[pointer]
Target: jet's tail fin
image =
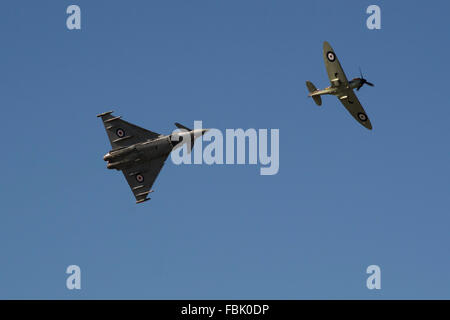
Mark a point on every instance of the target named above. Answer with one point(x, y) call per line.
point(192, 138)
point(312, 88)
point(180, 126)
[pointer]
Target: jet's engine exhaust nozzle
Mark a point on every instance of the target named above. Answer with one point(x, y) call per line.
point(107, 157)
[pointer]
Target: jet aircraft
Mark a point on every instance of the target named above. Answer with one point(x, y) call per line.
point(139, 153)
point(341, 87)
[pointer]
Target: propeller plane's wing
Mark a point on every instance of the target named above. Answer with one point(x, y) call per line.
point(352, 104)
point(334, 70)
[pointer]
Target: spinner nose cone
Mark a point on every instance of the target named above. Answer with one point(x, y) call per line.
point(204, 131)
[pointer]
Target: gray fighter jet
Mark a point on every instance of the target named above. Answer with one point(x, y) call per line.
point(139, 153)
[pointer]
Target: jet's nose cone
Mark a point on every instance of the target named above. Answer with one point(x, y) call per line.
point(204, 131)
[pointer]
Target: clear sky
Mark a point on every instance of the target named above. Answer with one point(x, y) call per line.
point(344, 198)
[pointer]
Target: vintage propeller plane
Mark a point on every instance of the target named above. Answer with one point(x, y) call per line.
point(341, 87)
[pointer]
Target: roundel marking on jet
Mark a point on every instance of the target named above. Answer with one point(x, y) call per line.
point(331, 56)
point(139, 178)
point(362, 116)
point(120, 133)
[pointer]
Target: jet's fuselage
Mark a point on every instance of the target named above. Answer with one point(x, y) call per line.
point(144, 151)
point(120, 159)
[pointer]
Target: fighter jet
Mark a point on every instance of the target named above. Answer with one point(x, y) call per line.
point(341, 87)
point(139, 153)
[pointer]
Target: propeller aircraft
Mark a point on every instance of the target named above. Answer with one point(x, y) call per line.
point(341, 87)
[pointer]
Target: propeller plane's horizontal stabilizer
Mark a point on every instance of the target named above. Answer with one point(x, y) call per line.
point(312, 88)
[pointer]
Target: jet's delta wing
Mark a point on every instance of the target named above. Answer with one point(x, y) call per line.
point(122, 133)
point(141, 177)
point(352, 104)
point(334, 70)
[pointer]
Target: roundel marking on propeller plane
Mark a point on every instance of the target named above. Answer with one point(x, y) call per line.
point(120, 133)
point(139, 178)
point(362, 117)
point(331, 56)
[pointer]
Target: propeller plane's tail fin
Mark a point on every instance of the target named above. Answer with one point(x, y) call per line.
point(312, 88)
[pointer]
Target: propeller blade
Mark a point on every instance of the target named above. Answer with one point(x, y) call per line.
point(359, 87)
point(370, 84)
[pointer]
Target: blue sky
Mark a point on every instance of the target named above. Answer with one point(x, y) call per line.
point(344, 198)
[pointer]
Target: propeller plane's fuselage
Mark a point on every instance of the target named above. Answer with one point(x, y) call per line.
point(338, 88)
